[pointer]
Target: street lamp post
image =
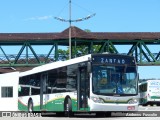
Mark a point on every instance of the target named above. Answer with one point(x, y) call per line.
point(70, 42)
point(70, 22)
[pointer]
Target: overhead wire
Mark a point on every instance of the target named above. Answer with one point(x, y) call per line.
point(83, 8)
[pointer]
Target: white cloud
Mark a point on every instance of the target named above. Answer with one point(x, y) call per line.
point(40, 18)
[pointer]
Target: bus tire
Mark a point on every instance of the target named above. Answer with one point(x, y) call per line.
point(68, 108)
point(59, 114)
point(158, 104)
point(30, 106)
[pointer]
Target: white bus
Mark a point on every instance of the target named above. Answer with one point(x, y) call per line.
point(8, 91)
point(99, 83)
point(149, 91)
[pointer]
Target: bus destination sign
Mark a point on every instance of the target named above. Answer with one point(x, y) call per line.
point(112, 59)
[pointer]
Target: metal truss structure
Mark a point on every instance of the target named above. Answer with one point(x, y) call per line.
point(145, 46)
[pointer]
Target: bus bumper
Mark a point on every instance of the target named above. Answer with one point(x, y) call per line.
point(112, 107)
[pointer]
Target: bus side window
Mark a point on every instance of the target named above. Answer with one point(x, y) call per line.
point(24, 82)
point(52, 83)
point(72, 77)
point(7, 91)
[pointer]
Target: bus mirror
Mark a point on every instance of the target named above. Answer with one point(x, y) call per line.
point(89, 67)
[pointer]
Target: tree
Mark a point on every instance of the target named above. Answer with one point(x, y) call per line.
point(80, 50)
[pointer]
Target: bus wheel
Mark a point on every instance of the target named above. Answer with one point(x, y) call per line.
point(151, 104)
point(158, 104)
point(68, 108)
point(30, 106)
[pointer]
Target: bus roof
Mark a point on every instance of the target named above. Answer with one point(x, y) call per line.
point(54, 65)
point(59, 64)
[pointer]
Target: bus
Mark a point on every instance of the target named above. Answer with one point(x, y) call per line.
point(8, 91)
point(99, 83)
point(149, 91)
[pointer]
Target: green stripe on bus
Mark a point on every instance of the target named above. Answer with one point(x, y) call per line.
point(155, 97)
point(22, 106)
point(52, 105)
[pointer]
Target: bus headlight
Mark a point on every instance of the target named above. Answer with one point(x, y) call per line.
point(132, 101)
point(97, 100)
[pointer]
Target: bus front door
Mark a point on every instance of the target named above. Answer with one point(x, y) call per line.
point(43, 91)
point(83, 88)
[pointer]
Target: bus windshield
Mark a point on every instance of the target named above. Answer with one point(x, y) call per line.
point(114, 80)
point(154, 87)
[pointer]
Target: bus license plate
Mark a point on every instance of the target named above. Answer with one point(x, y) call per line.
point(131, 108)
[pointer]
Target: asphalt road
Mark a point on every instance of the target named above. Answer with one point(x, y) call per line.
point(144, 112)
point(149, 108)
